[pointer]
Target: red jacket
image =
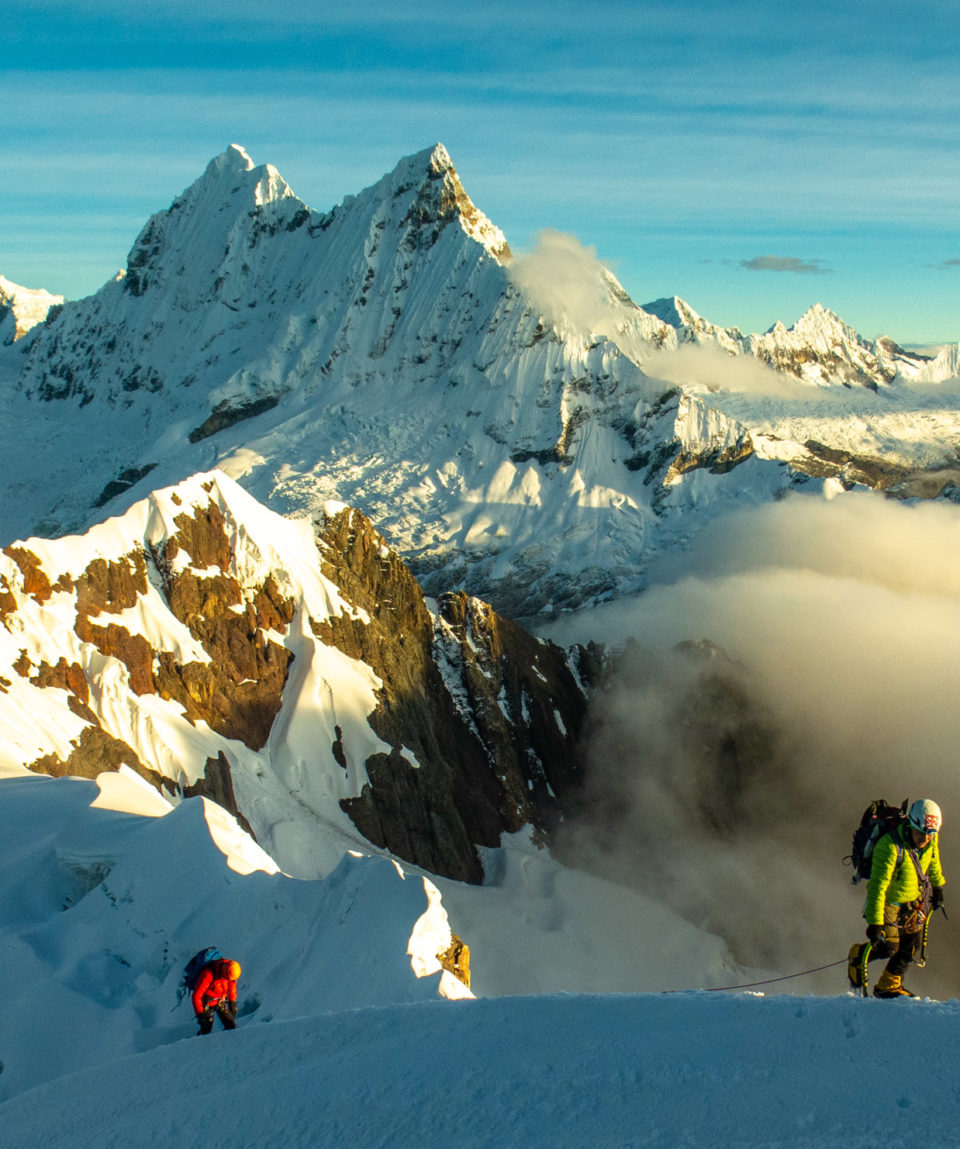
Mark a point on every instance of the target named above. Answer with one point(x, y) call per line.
point(212, 987)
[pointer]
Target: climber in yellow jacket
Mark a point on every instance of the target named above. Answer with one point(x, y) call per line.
point(906, 884)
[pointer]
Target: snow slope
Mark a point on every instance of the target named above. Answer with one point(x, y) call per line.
point(105, 892)
point(658, 1071)
point(351, 1036)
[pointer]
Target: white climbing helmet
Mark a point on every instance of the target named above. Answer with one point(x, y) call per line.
point(925, 816)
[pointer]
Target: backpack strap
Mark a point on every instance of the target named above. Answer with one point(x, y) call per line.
point(922, 880)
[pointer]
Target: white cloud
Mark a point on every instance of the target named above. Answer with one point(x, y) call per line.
point(842, 621)
point(718, 371)
point(566, 281)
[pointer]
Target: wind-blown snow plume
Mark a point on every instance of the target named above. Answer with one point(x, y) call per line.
point(730, 777)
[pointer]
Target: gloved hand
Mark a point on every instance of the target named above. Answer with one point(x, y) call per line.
point(876, 938)
point(936, 898)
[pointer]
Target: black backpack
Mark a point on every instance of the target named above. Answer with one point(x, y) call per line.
point(878, 819)
point(193, 969)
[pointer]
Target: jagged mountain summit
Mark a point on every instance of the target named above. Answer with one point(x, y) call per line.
point(22, 308)
point(295, 675)
point(818, 349)
point(535, 444)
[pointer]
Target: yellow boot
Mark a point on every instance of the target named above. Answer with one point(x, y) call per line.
point(890, 985)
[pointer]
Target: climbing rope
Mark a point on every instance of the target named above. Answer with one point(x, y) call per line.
point(922, 961)
point(770, 980)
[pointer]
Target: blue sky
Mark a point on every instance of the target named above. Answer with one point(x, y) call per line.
point(752, 156)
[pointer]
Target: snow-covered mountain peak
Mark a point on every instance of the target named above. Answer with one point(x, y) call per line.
point(820, 320)
point(821, 348)
point(199, 228)
point(690, 327)
point(8, 289)
point(434, 161)
point(22, 308)
point(673, 310)
point(234, 158)
point(428, 183)
point(233, 177)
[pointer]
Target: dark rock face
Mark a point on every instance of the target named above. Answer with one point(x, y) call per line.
point(122, 482)
point(227, 414)
point(96, 752)
point(217, 785)
point(826, 462)
point(491, 715)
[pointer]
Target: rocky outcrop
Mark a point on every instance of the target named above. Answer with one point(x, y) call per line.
point(455, 959)
point(226, 414)
point(123, 482)
point(828, 462)
point(491, 716)
point(97, 752)
point(217, 785)
point(237, 692)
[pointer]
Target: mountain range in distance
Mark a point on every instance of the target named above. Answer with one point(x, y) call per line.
point(515, 425)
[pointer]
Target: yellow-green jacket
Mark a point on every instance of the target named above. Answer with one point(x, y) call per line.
point(891, 884)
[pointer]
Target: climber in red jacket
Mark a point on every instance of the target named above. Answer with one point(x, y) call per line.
point(216, 993)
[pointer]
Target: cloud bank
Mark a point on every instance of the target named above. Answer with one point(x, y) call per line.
point(727, 778)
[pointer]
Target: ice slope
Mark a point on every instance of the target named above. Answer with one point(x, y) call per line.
point(657, 1071)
